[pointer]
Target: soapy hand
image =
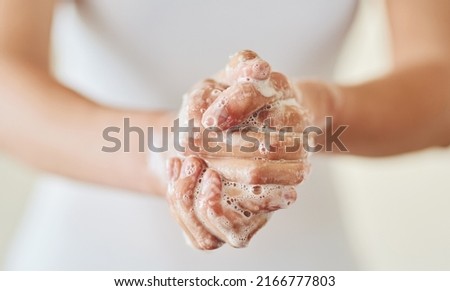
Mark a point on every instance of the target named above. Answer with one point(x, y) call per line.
point(252, 86)
point(227, 195)
point(212, 211)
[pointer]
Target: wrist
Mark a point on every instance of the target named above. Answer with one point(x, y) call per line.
point(143, 169)
point(159, 149)
point(321, 99)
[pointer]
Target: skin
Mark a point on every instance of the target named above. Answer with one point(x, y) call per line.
point(207, 220)
point(243, 98)
point(413, 100)
point(199, 203)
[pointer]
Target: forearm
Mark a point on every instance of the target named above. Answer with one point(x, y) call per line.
point(406, 110)
point(55, 129)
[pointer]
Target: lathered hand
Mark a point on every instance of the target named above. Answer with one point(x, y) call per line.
point(228, 194)
point(212, 211)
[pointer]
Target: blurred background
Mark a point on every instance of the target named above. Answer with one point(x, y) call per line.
point(396, 210)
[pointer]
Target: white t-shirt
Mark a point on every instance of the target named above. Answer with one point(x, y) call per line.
point(146, 54)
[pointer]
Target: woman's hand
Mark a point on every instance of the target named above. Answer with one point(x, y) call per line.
point(212, 211)
point(228, 196)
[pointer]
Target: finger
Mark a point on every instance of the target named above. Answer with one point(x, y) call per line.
point(199, 99)
point(211, 188)
point(194, 105)
point(248, 208)
point(286, 114)
point(252, 145)
point(223, 217)
point(241, 100)
point(266, 198)
point(280, 125)
point(248, 171)
point(246, 65)
point(182, 203)
point(173, 169)
point(281, 84)
point(234, 105)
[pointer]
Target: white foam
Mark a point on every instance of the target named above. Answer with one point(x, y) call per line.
point(266, 89)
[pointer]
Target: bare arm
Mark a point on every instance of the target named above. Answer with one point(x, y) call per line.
point(409, 108)
point(50, 126)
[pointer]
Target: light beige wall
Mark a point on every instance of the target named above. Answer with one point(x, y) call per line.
point(396, 209)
